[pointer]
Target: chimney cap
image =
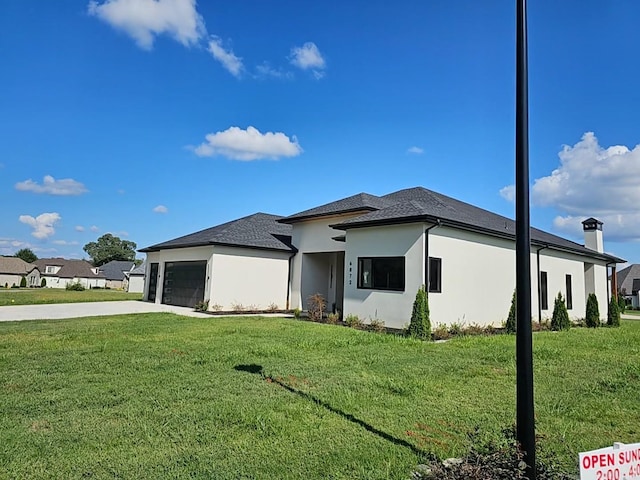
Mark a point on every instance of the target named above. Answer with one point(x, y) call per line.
point(591, 224)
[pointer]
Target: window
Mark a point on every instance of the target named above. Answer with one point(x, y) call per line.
point(569, 299)
point(544, 295)
point(50, 269)
point(435, 275)
point(381, 273)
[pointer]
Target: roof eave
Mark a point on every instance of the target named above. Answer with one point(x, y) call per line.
point(296, 219)
point(211, 244)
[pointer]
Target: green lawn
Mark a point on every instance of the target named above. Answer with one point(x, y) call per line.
point(162, 396)
point(31, 296)
point(632, 312)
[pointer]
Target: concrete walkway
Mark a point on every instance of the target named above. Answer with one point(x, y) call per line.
point(626, 316)
point(89, 309)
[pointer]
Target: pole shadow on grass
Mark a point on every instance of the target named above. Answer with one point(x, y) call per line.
point(258, 370)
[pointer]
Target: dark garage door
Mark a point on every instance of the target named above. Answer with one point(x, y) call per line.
point(184, 283)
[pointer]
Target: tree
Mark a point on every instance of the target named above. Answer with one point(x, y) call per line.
point(613, 314)
point(592, 319)
point(27, 255)
point(510, 327)
point(23, 282)
point(420, 326)
point(43, 282)
point(108, 248)
point(622, 304)
point(560, 317)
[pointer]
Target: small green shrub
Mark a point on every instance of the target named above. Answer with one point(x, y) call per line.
point(23, 282)
point(420, 326)
point(317, 304)
point(613, 314)
point(441, 332)
point(510, 326)
point(296, 313)
point(353, 321)
point(202, 306)
point(592, 319)
point(455, 329)
point(6, 285)
point(13, 285)
point(75, 287)
point(332, 318)
point(560, 317)
point(622, 304)
point(377, 326)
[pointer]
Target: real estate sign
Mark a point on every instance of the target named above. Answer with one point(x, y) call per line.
point(620, 462)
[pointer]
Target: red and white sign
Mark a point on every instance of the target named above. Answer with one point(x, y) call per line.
point(620, 462)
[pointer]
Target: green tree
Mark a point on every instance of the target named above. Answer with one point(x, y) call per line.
point(109, 247)
point(592, 319)
point(43, 282)
point(510, 326)
point(420, 326)
point(27, 255)
point(622, 305)
point(613, 314)
point(23, 282)
point(560, 317)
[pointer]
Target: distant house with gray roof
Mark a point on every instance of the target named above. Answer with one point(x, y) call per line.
point(12, 269)
point(368, 255)
point(629, 284)
point(115, 273)
point(58, 272)
point(135, 279)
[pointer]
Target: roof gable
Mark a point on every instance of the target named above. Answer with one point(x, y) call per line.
point(15, 266)
point(627, 276)
point(115, 269)
point(355, 203)
point(69, 268)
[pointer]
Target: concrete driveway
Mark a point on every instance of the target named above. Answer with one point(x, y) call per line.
point(89, 309)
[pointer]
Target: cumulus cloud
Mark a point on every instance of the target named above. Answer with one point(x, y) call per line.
point(64, 242)
point(229, 61)
point(308, 57)
point(266, 70)
point(43, 224)
point(144, 20)
point(594, 181)
point(508, 193)
point(51, 186)
point(93, 228)
point(415, 150)
point(160, 209)
point(79, 228)
point(249, 144)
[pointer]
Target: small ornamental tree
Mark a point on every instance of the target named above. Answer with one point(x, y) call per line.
point(43, 282)
point(592, 319)
point(613, 314)
point(622, 305)
point(420, 326)
point(560, 318)
point(23, 282)
point(510, 326)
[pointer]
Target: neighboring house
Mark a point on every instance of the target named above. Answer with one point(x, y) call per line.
point(368, 256)
point(135, 279)
point(12, 269)
point(629, 284)
point(58, 272)
point(115, 273)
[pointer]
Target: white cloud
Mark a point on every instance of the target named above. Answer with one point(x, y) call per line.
point(51, 186)
point(508, 193)
point(228, 60)
point(415, 150)
point(266, 70)
point(308, 57)
point(160, 209)
point(64, 242)
point(43, 224)
point(79, 228)
point(249, 144)
point(93, 228)
point(143, 20)
point(593, 181)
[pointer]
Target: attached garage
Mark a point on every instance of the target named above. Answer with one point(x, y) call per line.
point(184, 283)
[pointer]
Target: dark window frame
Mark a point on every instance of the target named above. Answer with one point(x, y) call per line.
point(569, 293)
point(434, 268)
point(375, 275)
point(544, 291)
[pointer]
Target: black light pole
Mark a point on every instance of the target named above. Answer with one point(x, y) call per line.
point(525, 426)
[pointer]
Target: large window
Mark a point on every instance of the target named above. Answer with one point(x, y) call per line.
point(569, 293)
point(381, 273)
point(544, 294)
point(435, 275)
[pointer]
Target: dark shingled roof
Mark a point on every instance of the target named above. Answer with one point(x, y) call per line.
point(70, 268)
point(355, 203)
point(15, 266)
point(260, 230)
point(115, 269)
point(420, 204)
point(629, 279)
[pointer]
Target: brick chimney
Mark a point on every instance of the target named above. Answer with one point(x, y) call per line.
point(593, 234)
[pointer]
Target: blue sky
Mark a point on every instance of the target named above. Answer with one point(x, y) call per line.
point(153, 119)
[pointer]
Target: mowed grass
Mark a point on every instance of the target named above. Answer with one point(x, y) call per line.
point(163, 396)
point(32, 296)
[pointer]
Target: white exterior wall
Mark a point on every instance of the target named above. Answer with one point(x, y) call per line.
point(249, 277)
point(394, 308)
point(10, 279)
point(56, 282)
point(136, 284)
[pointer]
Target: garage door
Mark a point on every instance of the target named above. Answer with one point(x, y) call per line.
point(184, 283)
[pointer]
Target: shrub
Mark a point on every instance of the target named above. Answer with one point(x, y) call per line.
point(560, 318)
point(333, 318)
point(216, 307)
point(420, 326)
point(441, 332)
point(6, 285)
point(622, 304)
point(317, 304)
point(296, 313)
point(237, 307)
point(272, 307)
point(592, 319)
point(377, 326)
point(613, 314)
point(353, 321)
point(13, 285)
point(202, 306)
point(23, 282)
point(76, 287)
point(510, 326)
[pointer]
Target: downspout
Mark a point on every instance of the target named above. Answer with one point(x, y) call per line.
point(426, 253)
point(606, 273)
point(538, 281)
point(289, 275)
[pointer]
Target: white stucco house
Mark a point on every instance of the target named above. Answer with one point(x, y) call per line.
point(59, 272)
point(13, 269)
point(368, 255)
point(135, 279)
